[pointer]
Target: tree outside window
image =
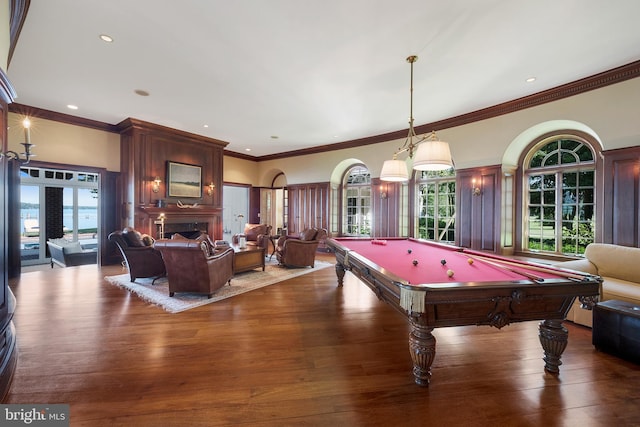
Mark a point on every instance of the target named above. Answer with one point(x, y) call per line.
point(560, 200)
point(436, 204)
point(357, 202)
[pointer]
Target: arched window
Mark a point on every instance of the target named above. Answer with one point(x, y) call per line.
point(436, 205)
point(559, 196)
point(357, 202)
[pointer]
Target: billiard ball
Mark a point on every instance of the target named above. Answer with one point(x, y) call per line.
point(415, 262)
point(408, 251)
point(470, 261)
point(443, 261)
point(450, 273)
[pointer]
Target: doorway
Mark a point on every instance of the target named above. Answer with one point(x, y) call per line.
point(54, 204)
point(235, 211)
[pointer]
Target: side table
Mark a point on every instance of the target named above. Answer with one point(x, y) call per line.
point(616, 329)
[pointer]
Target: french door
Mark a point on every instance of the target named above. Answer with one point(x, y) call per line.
point(57, 204)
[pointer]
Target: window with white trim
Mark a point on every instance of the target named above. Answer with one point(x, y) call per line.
point(436, 205)
point(357, 202)
point(559, 215)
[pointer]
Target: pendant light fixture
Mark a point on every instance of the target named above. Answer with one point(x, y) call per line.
point(430, 153)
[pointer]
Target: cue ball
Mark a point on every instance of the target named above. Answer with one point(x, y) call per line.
point(470, 261)
point(443, 261)
point(408, 251)
point(450, 273)
point(415, 262)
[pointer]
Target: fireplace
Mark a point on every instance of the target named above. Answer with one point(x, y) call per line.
point(190, 230)
point(189, 222)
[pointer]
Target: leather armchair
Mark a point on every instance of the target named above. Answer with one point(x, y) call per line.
point(256, 234)
point(138, 254)
point(194, 266)
point(300, 250)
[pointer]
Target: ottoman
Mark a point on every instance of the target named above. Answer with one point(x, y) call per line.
point(616, 329)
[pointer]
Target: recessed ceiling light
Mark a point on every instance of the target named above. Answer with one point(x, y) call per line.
point(247, 149)
point(141, 92)
point(72, 107)
point(531, 80)
point(106, 38)
point(274, 136)
point(206, 126)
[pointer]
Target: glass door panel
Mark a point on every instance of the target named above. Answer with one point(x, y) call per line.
point(31, 236)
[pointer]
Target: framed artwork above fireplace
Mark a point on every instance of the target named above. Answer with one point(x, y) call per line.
point(184, 180)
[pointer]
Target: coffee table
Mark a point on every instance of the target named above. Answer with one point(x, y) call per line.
point(247, 258)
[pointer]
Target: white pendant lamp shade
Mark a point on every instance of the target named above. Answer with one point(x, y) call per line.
point(432, 155)
point(394, 170)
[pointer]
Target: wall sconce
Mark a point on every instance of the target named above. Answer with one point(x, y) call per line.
point(12, 155)
point(475, 190)
point(383, 191)
point(155, 187)
point(210, 189)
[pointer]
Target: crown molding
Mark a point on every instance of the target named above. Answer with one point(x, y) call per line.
point(606, 78)
point(41, 113)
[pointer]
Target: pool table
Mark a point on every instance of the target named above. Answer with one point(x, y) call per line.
point(435, 285)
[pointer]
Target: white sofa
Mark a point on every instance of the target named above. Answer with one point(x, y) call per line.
point(619, 267)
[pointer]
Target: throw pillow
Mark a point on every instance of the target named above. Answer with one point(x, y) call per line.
point(60, 241)
point(133, 237)
point(253, 231)
point(72, 248)
point(205, 244)
point(308, 234)
point(147, 240)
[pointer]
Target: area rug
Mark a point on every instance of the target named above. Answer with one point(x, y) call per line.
point(158, 294)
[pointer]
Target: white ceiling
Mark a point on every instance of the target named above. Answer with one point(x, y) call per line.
point(309, 72)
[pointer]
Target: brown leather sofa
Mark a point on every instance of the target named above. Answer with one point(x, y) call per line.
point(300, 250)
point(193, 265)
point(255, 234)
point(138, 254)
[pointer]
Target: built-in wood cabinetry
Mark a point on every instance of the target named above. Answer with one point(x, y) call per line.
point(145, 150)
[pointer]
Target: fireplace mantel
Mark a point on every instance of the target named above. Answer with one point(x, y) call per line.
point(208, 216)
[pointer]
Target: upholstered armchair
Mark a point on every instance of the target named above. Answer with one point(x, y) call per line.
point(193, 265)
point(138, 254)
point(255, 234)
point(300, 250)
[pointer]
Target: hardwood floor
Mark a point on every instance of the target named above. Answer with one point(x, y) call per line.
point(301, 352)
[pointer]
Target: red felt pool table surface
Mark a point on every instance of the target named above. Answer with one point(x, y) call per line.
point(397, 256)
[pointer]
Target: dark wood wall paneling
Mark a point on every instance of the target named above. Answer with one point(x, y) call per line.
point(308, 206)
point(254, 206)
point(478, 216)
point(621, 216)
point(8, 173)
point(145, 150)
point(385, 203)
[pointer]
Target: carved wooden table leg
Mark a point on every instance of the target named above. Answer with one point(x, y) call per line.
point(553, 337)
point(422, 346)
point(340, 273)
